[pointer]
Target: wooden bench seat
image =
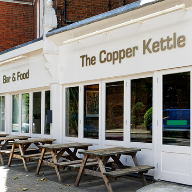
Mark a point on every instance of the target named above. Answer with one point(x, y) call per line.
point(8, 151)
point(7, 147)
point(89, 164)
point(35, 155)
point(49, 156)
point(69, 163)
point(122, 172)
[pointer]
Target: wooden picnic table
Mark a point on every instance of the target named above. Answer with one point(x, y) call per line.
point(102, 156)
point(24, 146)
point(5, 141)
point(3, 135)
point(57, 151)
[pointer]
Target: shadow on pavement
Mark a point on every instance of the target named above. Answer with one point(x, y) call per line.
point(15, 179)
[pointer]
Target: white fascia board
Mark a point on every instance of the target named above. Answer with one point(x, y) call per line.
point(22, 51)
point(20, 2)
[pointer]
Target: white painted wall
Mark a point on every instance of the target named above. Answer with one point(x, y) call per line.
point(179, 22)
point(38, 76)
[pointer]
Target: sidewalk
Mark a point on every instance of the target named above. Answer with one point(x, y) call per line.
point(12, 180)
point(15, 179)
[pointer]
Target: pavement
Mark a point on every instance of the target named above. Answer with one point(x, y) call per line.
point(15, 179)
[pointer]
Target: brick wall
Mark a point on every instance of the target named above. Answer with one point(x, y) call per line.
point(77, 10)
point(16, 24)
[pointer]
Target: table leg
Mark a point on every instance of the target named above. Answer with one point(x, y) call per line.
point(56, 167)
point(1, 158)
point(26, 147)
point(24, 161)
point(11, 155)
point(81, 170)
point(102, 168)
point(5, 145)
point(140, 174)
point(40, 161)
point(117, 161)
point(72, 154)
point(60, 154)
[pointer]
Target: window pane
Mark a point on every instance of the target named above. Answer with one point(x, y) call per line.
point(15, 113)
point(72, 111)
point(91, 111)
point(47, 107)
point(114, 110)
point(141, 110)
point(2, 113)
point(37, 112)
point(25, 113)
point(176, 109)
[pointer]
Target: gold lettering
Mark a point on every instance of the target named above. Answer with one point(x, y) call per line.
point(115, 56)
point(93, 60)
point(128, 52)
point(134, 49)
point(121, 56)
point(82, 57)
point(168, 41)
point(181, 41)
point(146, 46)
point(100, 56)
point(163, 48)
point(155, 47)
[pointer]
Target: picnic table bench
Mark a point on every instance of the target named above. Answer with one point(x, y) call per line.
point(3, 135)
point(5, 143)
point(57, 151)
point(23, 146)
point(102, 156)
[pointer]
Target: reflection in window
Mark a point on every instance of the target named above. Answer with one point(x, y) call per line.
point(114, 110)
point(25, 113)
point(2, 113)
point(37, 113)
point(176, 109)
point(91, 111)
point(47, 107)
point(141, 110)
point(72, 111)
point(15, 113)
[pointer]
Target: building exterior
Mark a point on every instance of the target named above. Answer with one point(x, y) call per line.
point(21, 20)
point(120, 78)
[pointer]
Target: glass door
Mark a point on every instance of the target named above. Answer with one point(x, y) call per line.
point(174, 145)
point(2, 113)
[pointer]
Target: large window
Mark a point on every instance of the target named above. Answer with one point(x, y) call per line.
point(2, 113)
point(141, 110)
point(176, 109)
point(114, 110)
point(91, 111)
point(29, 112)
point(36, 113)
point(47, 107)
point(72, 111)
point(25, 113)
point(15, 113)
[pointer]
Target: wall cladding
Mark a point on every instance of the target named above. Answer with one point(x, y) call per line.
point(16, 24)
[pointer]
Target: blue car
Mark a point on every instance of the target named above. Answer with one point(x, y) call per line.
point(177, 120)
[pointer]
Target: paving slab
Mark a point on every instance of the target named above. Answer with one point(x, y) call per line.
point(165, 187)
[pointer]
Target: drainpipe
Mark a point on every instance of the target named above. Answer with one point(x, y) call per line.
point(65, 20)
point(109, 5)
point(59, 8)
